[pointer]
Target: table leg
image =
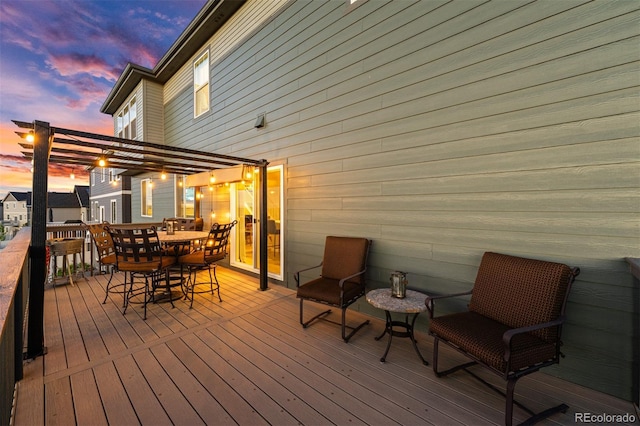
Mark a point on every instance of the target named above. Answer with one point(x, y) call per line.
point(407, 332)
point(388, 328)
point(413, 339)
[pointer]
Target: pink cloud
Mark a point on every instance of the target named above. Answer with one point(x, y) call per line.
point(69, 64)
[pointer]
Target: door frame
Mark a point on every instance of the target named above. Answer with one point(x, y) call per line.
point(238, 232)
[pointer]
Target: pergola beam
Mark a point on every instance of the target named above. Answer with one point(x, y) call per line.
point(150, 158)
point(135, 150)
point(238, 160)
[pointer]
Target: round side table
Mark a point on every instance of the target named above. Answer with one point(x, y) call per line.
point(413, 303)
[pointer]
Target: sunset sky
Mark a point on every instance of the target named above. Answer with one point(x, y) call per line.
point(59, 60)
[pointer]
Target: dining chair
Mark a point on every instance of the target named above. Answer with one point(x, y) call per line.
point(212, 251)
point(105, 250)
point(138, 252)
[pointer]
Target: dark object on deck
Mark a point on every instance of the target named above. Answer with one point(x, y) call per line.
point(342, 280)
point(514, 322)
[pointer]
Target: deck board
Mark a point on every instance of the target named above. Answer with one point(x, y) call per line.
point(247, 360)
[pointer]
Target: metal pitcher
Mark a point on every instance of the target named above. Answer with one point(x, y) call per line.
point(398, 284)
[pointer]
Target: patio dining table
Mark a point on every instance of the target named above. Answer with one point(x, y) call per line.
point(181, 236)
point(179, 239)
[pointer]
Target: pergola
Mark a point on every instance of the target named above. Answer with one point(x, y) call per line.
point(47, 144)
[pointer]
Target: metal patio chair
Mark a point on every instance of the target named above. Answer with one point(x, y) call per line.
point(341, 281)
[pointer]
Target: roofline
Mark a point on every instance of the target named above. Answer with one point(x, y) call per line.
point(210, 19)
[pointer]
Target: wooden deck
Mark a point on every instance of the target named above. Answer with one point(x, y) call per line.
point(248, 361)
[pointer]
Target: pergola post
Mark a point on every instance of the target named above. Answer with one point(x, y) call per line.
point(264, 259)
point(37, 252)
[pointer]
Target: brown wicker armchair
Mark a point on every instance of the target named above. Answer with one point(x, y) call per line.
point(342, 280)
point(513, 324)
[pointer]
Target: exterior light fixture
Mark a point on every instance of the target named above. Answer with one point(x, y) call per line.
point(212, 178)
point(247, 172)
point(163, 176)
point(260, 121)
point(72, 175)
point(102, 161)
point(30, 137)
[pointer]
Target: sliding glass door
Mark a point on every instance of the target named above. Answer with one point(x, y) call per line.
point(246, 236)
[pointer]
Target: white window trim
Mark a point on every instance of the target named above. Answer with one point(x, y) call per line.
point(207, 84)
point(123, 120)
point(148, 183)
point(114, 211)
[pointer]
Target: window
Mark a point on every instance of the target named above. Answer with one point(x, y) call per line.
point(146, 190)
point(114, 212)
point(185, 198)
point(201, 85)
point(126, 121)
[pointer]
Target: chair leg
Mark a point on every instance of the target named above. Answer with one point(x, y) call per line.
point(146, 294)
point(192, 283)
point(127, 293)
point(436, 341)
point(217, 283)
point(508, 409)
point(509, 394)
point(306, 324)
point(106, 293)
point(354, 330)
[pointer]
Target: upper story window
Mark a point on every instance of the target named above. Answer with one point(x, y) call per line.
point(201, 85)
point(126, 121)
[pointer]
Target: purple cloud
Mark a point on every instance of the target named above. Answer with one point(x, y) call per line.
point(60, 59)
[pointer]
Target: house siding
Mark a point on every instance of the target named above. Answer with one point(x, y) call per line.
point(152, 123)
point(163, 199)
point(442, 130)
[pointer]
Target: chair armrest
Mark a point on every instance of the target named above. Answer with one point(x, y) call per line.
point(342, 281)
point(429, 301)
point(296, 275)
point(510, 334)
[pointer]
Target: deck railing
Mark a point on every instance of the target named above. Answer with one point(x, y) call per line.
point(14, 290)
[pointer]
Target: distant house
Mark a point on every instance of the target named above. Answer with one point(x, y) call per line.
point(440, 130)
point(83, 194)
point(110, 196)
point(63, 206)
point(16, 209)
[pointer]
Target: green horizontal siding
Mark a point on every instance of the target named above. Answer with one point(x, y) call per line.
point(442, 130)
